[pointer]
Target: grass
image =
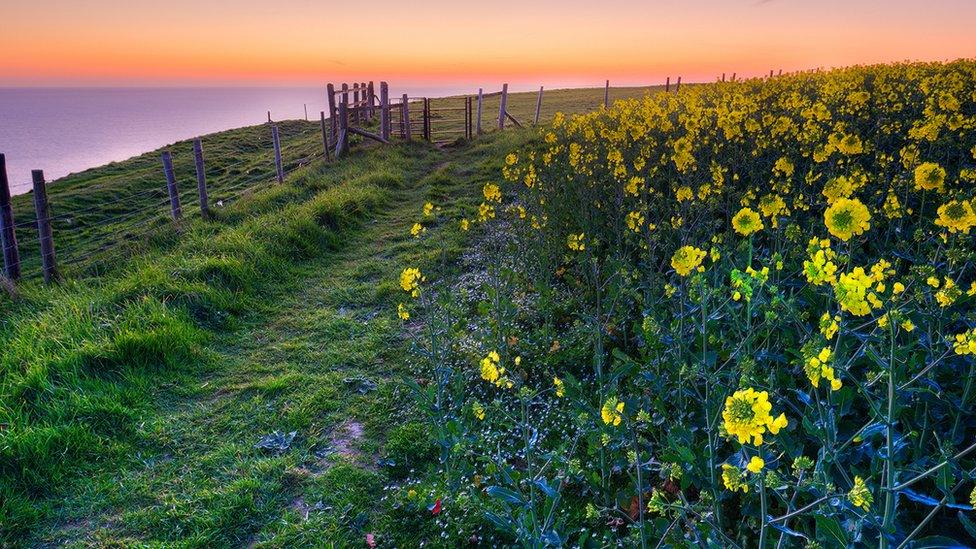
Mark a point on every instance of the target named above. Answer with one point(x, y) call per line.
point(133, 393)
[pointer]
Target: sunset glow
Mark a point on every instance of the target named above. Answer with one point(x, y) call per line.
point(102, 42)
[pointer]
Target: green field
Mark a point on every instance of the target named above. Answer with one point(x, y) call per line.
point(133, 394)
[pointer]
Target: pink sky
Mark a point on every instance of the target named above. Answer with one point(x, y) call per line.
point(557, 42)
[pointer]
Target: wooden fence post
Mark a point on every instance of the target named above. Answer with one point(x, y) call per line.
point(269, 117)
point(342, 143)
point(405, 111)
point(277, 152)
point(174, 194)
point(480, 100)
point(427, 118)
point(355, 103)
point(385, 125)
point(677, 87)
point(201, 178)
point(330, 93)
point(8, 232)
point(502, 107)
point(369, 100)
point(305, 106)
point(667, 85)
point(468, 130)
point(733, 77)
point(49, 264)
point(723, 77)
point(345, 99)
point(606, 95)
point(538, 107)
point(325, 138)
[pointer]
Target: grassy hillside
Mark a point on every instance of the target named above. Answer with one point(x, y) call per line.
point(134, 395)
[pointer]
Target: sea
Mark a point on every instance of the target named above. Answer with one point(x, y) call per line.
point(67, 130)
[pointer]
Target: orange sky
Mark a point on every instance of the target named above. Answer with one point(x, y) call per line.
point(289, 42)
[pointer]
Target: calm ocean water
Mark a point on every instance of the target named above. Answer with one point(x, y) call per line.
point(66, 130)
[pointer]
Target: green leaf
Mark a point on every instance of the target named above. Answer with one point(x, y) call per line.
point(505, 494)
point(830, 530)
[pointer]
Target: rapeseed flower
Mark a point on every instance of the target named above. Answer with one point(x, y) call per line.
point(732, 478)
point(860, 495)
point(846, 218)
point(929, 176)
point(746, 222)
point(410, 280)
point(855, 293)
point(965, 343)
point(612, 411)
point(402, 312)
point(756, 464)
point(687, 259)
point(956, 216)
point(575, 242)
point(747, 416)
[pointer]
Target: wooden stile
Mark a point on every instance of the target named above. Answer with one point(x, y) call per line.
point(201, 178)
point(371, 93)
point(279, 171)
point(385, 126)
point(174, 195)
point(355, 103)
point(8, 230)
point(405, 114)
point(481, 97)
point(502, 107)
point(538, 107)
point(49, 265)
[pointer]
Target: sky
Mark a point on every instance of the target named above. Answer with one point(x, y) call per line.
point(417, 42)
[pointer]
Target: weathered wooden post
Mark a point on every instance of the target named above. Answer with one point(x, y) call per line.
point(467, 117)
point(330, 93)
point(277, 151)
point(780, 72)
point(355, 103)
point(733, 77)
point(269, 117)
point(201, 178)
point(305, 105)
point(723, 77)
point(385, 126)
point(538, 106)
point(345, 97)
point(174, 193)
point(502, 107)
point(405, 111)
point(427, 119)
point(342, 142)
point(370, 90)
point(677, 86)
point(606, 95)
point(667, 85)
point(481, 98)
point(49, 264)
point(325, 138)
point(8, 231)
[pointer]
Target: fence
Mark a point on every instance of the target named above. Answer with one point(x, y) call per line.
point(118, 220)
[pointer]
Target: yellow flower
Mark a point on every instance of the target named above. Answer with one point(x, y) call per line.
point(478, 410)
point(907, 325)
point(612, 411)
point(746, 222)
point(428, 209)
point(829, 325)
point(756, 464)
point(492, 372)
point(956, 216)
point(575, 242)
point(417, 230)
point(492, 192)
point(410, 280)
point(485, 212)
point(732, 478)
point(560, 387)
point(929, 176)
point(687, 259)
point(465, 224)
point(402, 312)
point(684, 193)
point(948, 294)
point(855, 293)
point(966, 343)
point(846, 218)
point(860, 495)
point(746, 416)
point(972, 495)
point(635, 220)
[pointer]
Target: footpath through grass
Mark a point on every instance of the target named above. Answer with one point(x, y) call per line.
point(135, 405)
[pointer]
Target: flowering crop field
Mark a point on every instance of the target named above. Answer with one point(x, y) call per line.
point(737, 316)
